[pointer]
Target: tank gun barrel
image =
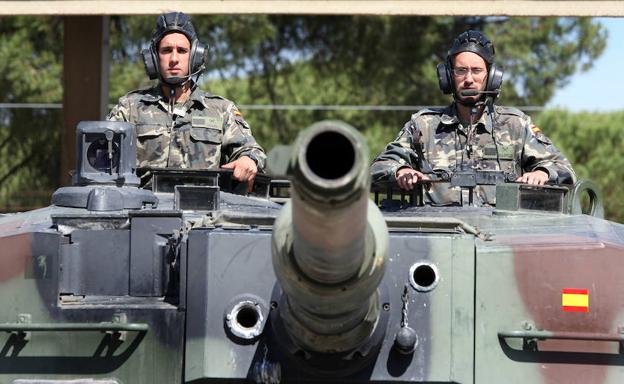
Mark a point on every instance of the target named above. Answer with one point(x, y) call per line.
point(330, 242)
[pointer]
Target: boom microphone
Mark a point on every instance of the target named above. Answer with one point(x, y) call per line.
point(474, 92)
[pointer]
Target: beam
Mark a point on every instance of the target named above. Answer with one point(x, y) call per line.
point(320, 7)
point(85, 80)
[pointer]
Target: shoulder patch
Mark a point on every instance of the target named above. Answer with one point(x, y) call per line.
point(238, 117)
point(539, 135)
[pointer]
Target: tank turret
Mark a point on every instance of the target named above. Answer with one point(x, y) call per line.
point(329, 244)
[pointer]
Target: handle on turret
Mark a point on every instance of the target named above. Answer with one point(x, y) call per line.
point(595, 199)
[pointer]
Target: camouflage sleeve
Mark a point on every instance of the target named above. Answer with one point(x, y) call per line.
point(121, 111)
point(540, 153)
point(398, 154)
point(238, 140)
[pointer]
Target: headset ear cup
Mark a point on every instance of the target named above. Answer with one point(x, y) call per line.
point(444, 78)
point(150, 62)
point(495, 79)
point(193, 57)
point(198, 57)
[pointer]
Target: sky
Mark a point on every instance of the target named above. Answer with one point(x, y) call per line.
point(600, 88)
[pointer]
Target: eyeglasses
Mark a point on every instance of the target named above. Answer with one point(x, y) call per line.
point(463, 71)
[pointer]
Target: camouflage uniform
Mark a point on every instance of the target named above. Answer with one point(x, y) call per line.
point(202, 133)
point(435, 140)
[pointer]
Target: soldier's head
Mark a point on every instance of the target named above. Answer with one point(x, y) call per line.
point(175, 54)
point(470, 65)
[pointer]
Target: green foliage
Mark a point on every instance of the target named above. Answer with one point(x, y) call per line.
point(29, 171)
point(594, 143)
point(128, 35)
point(30, 59)
point(30, 72)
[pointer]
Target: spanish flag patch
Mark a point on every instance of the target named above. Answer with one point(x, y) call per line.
point(238, 113)
point(575, 300)
point(535, 128)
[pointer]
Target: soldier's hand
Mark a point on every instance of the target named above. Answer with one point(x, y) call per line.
point(408, 177)
point(245, 169)
point(538, 177)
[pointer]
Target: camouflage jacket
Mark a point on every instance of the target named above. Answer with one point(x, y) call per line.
point(204, 132)
point(435, 141)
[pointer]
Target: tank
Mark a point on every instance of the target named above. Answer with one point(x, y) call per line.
point(318, 278)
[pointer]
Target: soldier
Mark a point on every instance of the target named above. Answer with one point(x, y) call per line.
point(471, 133)
point(177, 124)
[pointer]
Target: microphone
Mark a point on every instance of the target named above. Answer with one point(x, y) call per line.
point(474, 92)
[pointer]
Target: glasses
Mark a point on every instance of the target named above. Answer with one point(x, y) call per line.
point(463, 71)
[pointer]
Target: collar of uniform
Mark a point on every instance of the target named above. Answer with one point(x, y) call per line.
point(486, 119)
point(153, 95)
point(199, 96)
point(450, 118)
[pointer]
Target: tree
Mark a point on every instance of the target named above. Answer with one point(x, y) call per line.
point(30, 72)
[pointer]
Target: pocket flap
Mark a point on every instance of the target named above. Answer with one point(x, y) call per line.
point(207, 134)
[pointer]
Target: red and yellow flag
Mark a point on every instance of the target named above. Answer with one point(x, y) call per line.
point(575, 300)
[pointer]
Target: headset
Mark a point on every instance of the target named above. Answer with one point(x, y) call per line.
point(476, 42)
point(169, 23)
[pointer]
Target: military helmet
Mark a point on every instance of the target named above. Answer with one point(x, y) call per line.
point(473, 41)
point(173, 22)
point(169, 23)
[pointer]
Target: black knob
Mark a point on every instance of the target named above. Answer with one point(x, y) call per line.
point(406, 340)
